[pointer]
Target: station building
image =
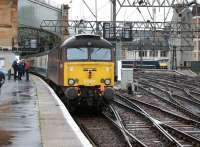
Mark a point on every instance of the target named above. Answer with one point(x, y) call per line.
point(8, 31)
point(147, 47)
point(196, 34)
point(181, 39)
point(20, 31)
point(174, 50)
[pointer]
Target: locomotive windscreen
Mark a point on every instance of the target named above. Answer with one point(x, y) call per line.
point(100, 54)
point(77, 53)
point(94, 54)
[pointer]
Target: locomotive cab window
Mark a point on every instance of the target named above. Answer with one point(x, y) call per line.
point(77, 53)
point(94, 54)
point(100, 54)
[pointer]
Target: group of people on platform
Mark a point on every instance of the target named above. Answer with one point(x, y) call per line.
point(20, 69)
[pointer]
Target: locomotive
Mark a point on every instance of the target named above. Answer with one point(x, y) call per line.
point(82, 68)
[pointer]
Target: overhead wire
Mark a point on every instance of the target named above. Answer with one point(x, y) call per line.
point(89, 8)
point(99, 9)
point(141, 14)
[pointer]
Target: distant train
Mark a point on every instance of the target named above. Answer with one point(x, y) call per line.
point(82, 68)
point(132, 64)
point(145, 64)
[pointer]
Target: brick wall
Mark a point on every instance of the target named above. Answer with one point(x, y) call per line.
point(8, 24)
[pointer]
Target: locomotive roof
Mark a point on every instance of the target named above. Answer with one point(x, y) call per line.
point(78, 41)
point(86, 41)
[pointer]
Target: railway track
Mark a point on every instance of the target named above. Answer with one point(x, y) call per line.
point(189, 102)
point(143, 131)
point(100, 131)
point(162, 100)
point(195, 94)
point(130, 125)
point(180, 88)
point(112, 114)
point(182, 131)
point(185, 80)
point(177, 80)
point(186, 89)
point(172, 77)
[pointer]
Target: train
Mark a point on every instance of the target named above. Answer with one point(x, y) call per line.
point(81, 69)
point(145, 64)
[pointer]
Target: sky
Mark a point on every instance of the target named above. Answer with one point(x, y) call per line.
point(78, 11)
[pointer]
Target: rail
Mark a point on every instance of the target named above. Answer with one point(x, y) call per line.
point(173, 97)
point(172, 102)
point(164, 127)
point(118, 123)
point(156, 124)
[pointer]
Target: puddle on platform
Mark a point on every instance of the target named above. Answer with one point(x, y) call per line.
point(5, 138)
point(19, 124)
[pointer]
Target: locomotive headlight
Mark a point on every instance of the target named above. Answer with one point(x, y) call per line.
point(107, 81)
point(71, 68)
point(71, 82)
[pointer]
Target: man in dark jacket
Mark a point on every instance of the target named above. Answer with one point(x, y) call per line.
point(20, 70)
point(2, 78)
point(15, 68)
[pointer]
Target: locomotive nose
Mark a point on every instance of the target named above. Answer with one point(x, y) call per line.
point(109, 94)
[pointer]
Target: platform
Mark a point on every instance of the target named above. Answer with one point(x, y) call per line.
point(31, 115)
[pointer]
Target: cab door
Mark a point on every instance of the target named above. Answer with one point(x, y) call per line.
point(61, 67)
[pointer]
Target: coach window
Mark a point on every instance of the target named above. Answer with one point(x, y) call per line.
point(142, 53)
point(145, 53)
point(151, 53)
point(100, 54)
point(155, 53)
point(77, 53)
point(40, 61)
point(163, 54)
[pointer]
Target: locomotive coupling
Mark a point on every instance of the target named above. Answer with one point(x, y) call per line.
point(71, 93)
point(109, 93)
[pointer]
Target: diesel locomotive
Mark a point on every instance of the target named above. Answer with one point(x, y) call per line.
point(82, 68)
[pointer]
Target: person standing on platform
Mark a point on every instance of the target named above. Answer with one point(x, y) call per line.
point(15, 69)
point(2, 79)
point(23, 64)
point(20, 70)
point(27, 67)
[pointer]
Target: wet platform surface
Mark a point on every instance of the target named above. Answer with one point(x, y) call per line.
point(58, 129)
point(19, 121)
point(31, 115)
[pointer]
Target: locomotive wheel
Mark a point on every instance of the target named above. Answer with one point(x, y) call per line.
point(71, 106)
